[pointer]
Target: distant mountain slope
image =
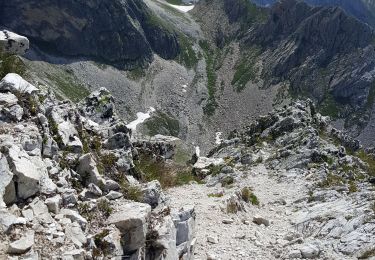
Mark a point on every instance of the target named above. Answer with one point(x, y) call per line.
point(362, 9)
point(121, 32)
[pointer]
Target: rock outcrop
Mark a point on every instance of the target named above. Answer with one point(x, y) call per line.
point(306, 190)
point(64, 183)
point(123, 33)
point(13, 43)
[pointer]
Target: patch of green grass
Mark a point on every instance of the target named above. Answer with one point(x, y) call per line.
point(187, 56)
point(331, 180)
point(245, 69)
point(227, 181)
point(209, 56)
point(370, 160)
point(216, 195)
point(136, 73)
point(371, 97)
point(162, 123)
point(352, 186)
point(103, 248)
point(105, 207)
point(215, 169)
point(108, 161)
point(84, 211)
point(248, 196)
point(11, 64)
point(68, 85)
point(53, 127)
point(131, 192)
point(153, 20)
point(253, 14)
point(168, 175)
point(330, 107)
point(184, 177)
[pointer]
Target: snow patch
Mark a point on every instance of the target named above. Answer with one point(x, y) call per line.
point(198, 151)
point(218, 138)
point(182, 8)
point(141, 117)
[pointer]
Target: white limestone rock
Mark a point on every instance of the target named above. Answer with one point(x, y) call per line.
point(28, 173)
point(14, 83)
point(22, 245)
point(87, 167)
point(13, 43)
point(132, 220)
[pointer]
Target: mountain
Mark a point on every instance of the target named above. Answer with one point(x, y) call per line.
point(362, 9)
point(123, 33)
point(238, 144)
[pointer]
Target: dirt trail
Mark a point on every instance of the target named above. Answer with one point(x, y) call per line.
point(243, 239)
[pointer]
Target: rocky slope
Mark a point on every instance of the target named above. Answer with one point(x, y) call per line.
point(363, 9)
point(298, 51)
point(122, 33)
point(78, 182)
point(289, 186)
point(67, 189)
point(223, 72)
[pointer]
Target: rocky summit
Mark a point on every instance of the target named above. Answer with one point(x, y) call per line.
point(163, 130)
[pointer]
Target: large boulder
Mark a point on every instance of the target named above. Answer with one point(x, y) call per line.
point(13, 43)
point(152, 193)
point(132, 221)
point(27, 171)
point(88, 170)
point(23, 244)
point(14, 83)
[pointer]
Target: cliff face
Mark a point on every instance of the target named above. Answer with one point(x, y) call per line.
point(318, 49)
point(122, 32)
point(361, 9)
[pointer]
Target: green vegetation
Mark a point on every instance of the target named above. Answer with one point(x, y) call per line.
point(153, 20)
point(370, 160)
point(227, 181)
point(331, 180)
point(367, 254)
point(84, 211)
point(162, 123)
point(352, 186)
point(245, 69)
point(131, 192)
point(136, 74)
point(215, 169)
point(252, 14)
point(248, 196)
point(108, 161)
point(11, 64)
point(371, 97)
point(209, 56)
point(104, 207)
point(102, 246)
point(330, 107)
point(53, 127)
point(187, 56)
point(168, 175)
point(66, 83)
point(216, 195)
